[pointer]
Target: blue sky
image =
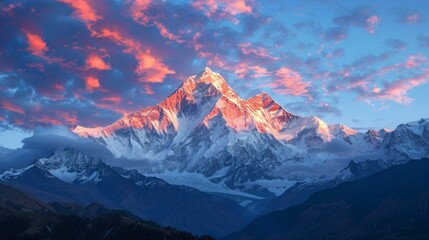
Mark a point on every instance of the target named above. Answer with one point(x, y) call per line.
point(88, 62)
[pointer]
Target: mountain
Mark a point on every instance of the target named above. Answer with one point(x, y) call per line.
point(25, 217)
point(204, 127)
point(4, 151)
point(71, 176)
point(391, 204)
point(410, 140)
point(302, 190)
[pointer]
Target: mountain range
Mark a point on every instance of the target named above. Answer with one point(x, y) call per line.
point(24, 217)
point(253, 145)
point(70, 176)
point(206, 161)
point(391, 204)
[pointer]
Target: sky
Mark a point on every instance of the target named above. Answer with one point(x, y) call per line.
point(87, 62)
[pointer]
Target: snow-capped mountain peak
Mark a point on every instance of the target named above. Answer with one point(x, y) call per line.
point(410, 140)
point(206, 127)
point(72, 166)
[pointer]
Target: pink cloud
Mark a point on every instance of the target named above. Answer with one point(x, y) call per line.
point(36, 45)
point(96, 62)
point(113, 99)
point(57, 118)
point(412, 18)
point(372, 22)
point(148, 89)
point(397, 90)
point(247, 48)
point(223, 8)
point(8, 8)
point(242, 70)
point(290, 82)
point(11, 107)
point(111, 103)
point(415, 60)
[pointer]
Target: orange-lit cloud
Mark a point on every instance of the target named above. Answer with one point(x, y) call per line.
point(114, 99)
point(57, 118)
point(96, 62)
point(36, 45)
point(149, 67)
point(92, 83)
point(83, 10)
point(137, 10)
point(138, 13)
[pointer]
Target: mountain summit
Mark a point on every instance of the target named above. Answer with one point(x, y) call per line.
point(204, 127)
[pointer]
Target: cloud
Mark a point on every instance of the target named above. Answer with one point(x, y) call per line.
point(248, 48)
point(232, 7)
point(396, 44)
point(361, 17)
point(317, 108)
point(92, 83)
point(334, 146)
point(83, 10)
point(150, 68)
point(45, 141)
point(139, 12)
point(397, 90)
point(96, 62)
point(11, 107)
point(412, 18)
point(415, 61)
point(289, 82)
point(372, 23)
point(9, 8)
point(243, 70)
point(423, 41)
point(36, 45)
point(336, 34)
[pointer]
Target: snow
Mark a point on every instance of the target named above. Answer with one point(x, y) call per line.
point(276, 186)
point(13, 172)
point(200, 182)
point(63, 174)
point(204, 118)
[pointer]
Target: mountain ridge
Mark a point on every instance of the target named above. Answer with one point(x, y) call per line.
point(204, 127)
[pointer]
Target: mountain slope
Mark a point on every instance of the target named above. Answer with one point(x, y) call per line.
point(410, 140)
point(204, 127)
point(25, 217)
point(301, 191)
point(390, 203)
point(70, 176)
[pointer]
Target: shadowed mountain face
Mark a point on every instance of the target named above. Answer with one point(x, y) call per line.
point(25, 217)
point(70, 176)
point(391, 204)
point(301, 191)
